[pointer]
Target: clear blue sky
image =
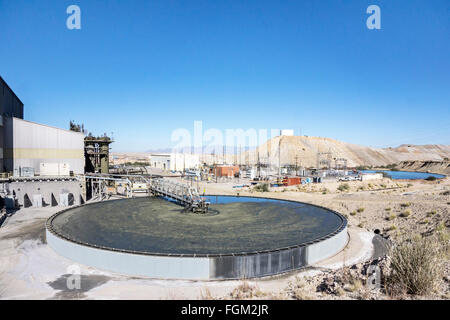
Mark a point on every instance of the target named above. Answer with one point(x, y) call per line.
point(141, 69)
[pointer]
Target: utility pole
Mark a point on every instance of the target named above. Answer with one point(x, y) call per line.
point(258, 166)
point(240, 155)
point(176, 160)
point(279, 158)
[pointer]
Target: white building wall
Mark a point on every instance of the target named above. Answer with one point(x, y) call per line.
point(371, 176)
point(160, 161)
point(175, 161)
point(32, 144)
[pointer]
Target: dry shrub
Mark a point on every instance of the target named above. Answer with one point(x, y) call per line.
point(276, 296)
point(340, 292)
point(262, 187)
point(351, 282)
point(392, 228)
point(391, 217)
point(356, 285)
point(297, 289)
point(206, 295)
point(344, 187)
point(405, 213)
point(415, 266)
point(246, 291)
point(443, 238)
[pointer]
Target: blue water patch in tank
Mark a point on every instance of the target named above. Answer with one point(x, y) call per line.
point(233, 199)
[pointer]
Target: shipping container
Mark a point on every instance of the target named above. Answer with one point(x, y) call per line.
point(291, 181)
point(226, 171)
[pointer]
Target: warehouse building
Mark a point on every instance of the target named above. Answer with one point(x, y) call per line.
point(34, 149)
point(175, 161)
point(47, 150)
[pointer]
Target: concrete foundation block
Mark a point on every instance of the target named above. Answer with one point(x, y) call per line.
point(37, 200)
point(64, 199)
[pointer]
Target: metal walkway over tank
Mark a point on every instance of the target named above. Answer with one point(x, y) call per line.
point(183, 194)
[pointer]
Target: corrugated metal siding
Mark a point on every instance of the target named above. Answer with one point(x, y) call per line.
point(258, 265)
point(29, 135)
point(33, 143)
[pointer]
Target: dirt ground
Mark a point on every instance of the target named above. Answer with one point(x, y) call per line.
point(29, 269)
point(370, 205)
point(393, 208)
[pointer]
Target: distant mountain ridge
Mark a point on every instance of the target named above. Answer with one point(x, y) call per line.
point(304, 149)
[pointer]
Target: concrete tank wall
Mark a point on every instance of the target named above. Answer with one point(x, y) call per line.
point(161, 267)
point(275, 262)
point(208, 267)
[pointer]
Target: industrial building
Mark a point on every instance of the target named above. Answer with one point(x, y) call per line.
point(10, 106)
point(29, 149)
point(175, 161)
point(45, 150)
point(371, 176)
point(97, 154)
point(34, 149)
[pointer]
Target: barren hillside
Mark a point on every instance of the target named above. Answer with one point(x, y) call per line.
point(304, 149)
point(426, 166)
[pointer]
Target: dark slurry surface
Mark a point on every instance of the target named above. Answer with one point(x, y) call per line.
point(235, 225)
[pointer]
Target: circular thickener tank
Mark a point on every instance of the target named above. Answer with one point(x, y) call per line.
point(240, 237)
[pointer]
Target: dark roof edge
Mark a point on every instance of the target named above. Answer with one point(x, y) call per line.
point(11, 90)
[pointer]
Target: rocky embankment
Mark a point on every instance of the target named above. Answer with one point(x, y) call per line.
point(442, 167)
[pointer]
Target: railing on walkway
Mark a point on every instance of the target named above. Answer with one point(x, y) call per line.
point(183, 194)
